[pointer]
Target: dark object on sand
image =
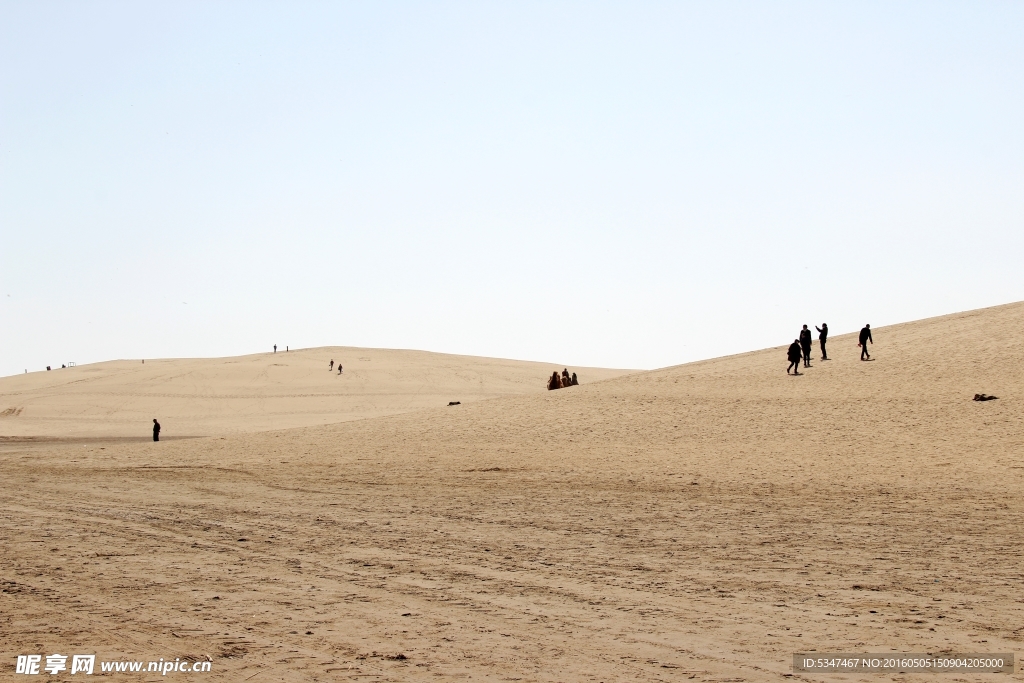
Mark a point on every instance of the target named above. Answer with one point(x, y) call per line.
point(984, 397)
point(156, 430)
point(562, 381)
point(455, 403)
point(805, 345)
point(863, 339)
point(793, 354)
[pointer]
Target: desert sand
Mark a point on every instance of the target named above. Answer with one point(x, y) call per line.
point(219, 396)
point(700, 522)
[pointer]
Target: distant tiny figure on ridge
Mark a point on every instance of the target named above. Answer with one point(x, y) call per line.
point(275, 348)
point(156, 430)
point(794, 355)
point(805, 345)
point(330, 368)
point(822, 338)
point(575, 382)
point(865, 337)
point(566, 380)
point(340, 368)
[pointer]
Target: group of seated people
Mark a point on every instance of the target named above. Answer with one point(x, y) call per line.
point(561, 381)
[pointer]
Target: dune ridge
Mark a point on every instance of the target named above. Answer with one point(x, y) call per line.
point(699, 522)
point(259, 392)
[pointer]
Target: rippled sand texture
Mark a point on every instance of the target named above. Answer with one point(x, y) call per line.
point(701, 522)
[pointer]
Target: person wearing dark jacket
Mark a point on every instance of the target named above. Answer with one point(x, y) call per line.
point(156, 430)
point(805, 345)
point(822, 338)
point(865, 337)
point(794, 357)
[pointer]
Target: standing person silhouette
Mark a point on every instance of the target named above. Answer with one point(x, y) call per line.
point(794, 357)
point(865, 337)
point(330, 368)
point(275, 348)
point(156, 430)
point(822, 338)
point(805, 345)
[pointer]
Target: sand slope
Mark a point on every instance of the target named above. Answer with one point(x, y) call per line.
point(208, 396)
point(701, 522)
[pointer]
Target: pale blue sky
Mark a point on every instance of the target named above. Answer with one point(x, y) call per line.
point(621, 184)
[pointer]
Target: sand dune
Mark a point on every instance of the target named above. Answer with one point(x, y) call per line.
point(700, 522)
point(216, 396)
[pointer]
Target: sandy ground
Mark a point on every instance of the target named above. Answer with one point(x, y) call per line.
point(218, 396)
point(701, 522)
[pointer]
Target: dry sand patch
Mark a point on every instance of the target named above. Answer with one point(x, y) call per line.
point(218, 396)
point(701, 522)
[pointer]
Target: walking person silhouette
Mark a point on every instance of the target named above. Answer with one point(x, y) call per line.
point(822, 338)
point(805, 345)
point(156, 430)
point(794, 357)
point(865, 337)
